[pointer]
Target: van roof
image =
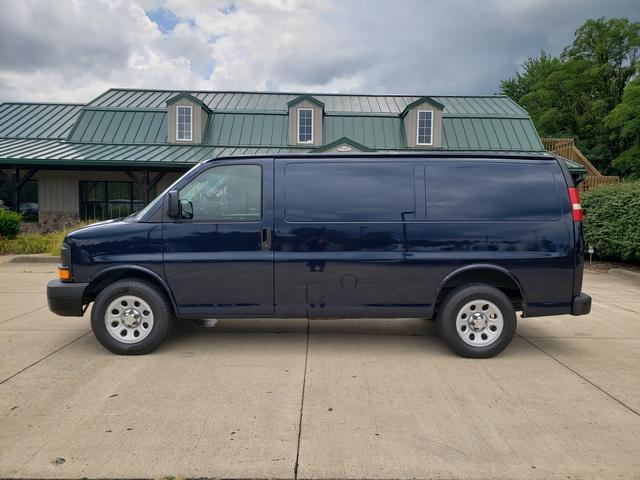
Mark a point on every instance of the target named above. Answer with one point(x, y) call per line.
point(396, 155)
point(575, 169)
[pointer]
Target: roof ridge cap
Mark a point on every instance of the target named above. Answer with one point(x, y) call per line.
point(263, 92)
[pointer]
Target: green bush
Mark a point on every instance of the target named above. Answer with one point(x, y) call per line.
point(9, 223)
point(28, 243)
point(612, 220)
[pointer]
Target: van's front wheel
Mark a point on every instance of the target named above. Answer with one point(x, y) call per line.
point(477, 321)
point(131, 317)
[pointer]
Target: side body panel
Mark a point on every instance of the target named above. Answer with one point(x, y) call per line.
point(396, 268)
point(347, 268)
point(115, 244)
point(534, 240)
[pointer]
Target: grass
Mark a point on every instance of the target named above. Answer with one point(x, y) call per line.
point(30, 243)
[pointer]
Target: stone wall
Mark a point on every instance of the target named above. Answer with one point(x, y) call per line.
point(50, 222)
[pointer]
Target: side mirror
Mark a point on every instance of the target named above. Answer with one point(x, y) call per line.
point(186, 210)
point(173, 204)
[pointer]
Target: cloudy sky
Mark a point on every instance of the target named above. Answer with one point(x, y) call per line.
point(73, 50)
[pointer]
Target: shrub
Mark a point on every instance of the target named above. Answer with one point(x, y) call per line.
point(28, 243)
point(612, 220)
point(9, 223)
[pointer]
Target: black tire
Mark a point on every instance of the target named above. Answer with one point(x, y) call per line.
point(460, 297)
point(155, 298)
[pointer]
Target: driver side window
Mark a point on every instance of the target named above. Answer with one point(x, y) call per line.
point(223, 194)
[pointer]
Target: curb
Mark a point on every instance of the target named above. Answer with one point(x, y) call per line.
point(38, 258)
point(624, 273)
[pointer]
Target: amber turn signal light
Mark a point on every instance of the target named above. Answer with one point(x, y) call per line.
point(64, 274)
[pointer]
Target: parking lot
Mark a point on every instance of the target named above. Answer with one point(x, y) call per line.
point(354, 399)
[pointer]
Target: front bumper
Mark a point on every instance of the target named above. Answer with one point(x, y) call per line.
point(581, 304)
point(66, 299)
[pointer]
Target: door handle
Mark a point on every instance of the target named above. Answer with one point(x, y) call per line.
point(266, 238)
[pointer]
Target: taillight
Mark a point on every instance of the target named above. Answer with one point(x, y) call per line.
point(576, 208)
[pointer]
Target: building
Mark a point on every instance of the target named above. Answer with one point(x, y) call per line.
point(107, 158)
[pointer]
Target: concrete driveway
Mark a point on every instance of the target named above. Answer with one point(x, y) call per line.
point(350, 399)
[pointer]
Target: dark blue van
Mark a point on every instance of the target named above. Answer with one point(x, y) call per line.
point(468, 240)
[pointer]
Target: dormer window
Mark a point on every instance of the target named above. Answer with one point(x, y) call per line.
point(305, 125)
point(187, 119)
point(424, 127)
point(305, 121)
point(184, 123)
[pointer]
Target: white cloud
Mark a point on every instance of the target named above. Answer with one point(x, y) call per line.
point(73, 50)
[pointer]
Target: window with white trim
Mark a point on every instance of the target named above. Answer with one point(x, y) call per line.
point(425, 127)
point(305, 125)
point(184, 123)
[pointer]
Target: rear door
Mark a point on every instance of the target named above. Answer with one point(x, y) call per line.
point(218, 258)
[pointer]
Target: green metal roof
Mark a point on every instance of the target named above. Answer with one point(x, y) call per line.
point(372, 132)
point(120, 126)
point(343, 141)
point(420, 101)
point(491, 105)
point(130, 126)
point(304, 97)
point(188, 96)
point(489, 134)
point(55, 152)
point(458, 133)
point(574, 168)
point(247, 129)
point(42, 153)
point(37, 120)
point(107, 125)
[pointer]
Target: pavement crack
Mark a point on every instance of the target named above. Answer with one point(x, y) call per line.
point(44, 358)
point(23, 314)
point(304, 384)
point(626, 309)
point(581, 376)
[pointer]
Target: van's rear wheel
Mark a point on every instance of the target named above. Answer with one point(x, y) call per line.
point(131, 317)
point(477, 321)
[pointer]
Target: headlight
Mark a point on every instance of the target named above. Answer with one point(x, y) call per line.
point(64, 270)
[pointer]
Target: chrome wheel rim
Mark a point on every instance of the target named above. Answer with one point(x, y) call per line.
point(479, 323)
point(129, 319)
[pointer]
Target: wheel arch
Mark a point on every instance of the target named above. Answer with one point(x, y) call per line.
point(494, 275)
point(109, 275)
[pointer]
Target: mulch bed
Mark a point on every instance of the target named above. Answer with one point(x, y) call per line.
point(601, 266)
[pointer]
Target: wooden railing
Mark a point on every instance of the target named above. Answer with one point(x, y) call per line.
point(565, 147)
point(559, 146)
point(591, 182)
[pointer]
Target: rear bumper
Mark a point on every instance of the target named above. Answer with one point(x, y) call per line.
point(66, 299)
point(581, 304)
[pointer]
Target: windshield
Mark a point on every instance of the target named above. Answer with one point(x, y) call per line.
point(156, 201)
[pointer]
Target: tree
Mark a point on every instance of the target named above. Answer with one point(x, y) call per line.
point(570, 96)
point(534, 69)
point(612, 48)
point(624, 122)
